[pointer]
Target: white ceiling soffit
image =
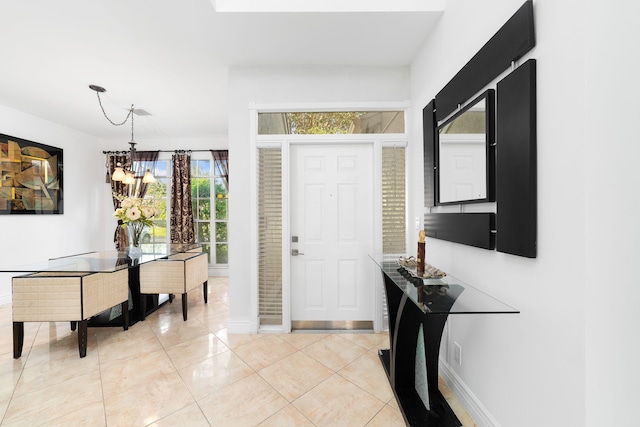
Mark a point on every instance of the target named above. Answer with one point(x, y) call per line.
point(173, 58)
point(328, 5)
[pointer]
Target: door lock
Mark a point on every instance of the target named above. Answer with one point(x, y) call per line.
point(295, 252)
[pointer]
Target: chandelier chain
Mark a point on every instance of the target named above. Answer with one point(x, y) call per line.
point(130, 114)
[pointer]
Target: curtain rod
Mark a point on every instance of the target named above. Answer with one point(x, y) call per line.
point(161, 151)
point(185, 151)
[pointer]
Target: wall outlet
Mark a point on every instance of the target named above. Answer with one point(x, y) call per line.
point(457, 353)
point(417, 223)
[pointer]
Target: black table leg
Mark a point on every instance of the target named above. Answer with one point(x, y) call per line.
point(18, 339)
point(184, 306)
point(82, 337)
point(125, 314)
point(142, 307)
point(205, 291)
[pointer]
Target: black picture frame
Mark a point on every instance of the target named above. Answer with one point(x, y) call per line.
point(31, 177)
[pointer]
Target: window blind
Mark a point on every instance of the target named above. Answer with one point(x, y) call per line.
point(393, 210)
point(270, 235)
point(393, 200)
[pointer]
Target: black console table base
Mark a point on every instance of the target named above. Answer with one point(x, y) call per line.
point(412, 408)
point(418, 311)
point(405, 320)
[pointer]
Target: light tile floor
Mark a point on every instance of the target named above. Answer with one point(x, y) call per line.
point(167, 372)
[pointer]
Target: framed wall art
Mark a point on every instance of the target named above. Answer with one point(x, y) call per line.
point(30, 177)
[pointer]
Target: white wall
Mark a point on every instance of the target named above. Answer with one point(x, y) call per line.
point(570, 357)
point(34, 238)
point(283, 85)
point(612, 221)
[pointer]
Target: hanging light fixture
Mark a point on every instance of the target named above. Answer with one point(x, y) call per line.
point(118, 173)
point(124, 173)
point(148, 177)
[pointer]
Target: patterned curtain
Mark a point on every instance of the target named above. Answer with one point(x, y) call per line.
point(182, 230)
point(144, 160)
point(120, 236)
point(221, 163)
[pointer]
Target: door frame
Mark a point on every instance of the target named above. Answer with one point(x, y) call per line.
point(285, 142)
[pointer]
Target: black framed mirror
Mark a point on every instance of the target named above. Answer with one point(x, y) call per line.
point(515, 225)
point(464, 153)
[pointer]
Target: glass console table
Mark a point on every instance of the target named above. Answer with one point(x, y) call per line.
point(418, 310)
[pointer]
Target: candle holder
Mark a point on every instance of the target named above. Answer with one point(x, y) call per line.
point(420, 259)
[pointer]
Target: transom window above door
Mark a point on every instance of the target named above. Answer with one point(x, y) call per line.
point(331, 123)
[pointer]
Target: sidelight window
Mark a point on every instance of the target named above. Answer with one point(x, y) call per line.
point(393, 200)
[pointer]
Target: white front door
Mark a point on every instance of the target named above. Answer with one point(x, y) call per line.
point(332, 220)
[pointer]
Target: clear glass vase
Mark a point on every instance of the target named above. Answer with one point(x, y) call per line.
point(135, 230)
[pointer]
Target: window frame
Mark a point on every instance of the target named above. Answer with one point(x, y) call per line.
point(165, 158)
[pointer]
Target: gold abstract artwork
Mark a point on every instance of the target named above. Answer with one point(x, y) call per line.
point(30, 177)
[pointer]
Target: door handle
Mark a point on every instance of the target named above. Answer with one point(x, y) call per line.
point(295, 252)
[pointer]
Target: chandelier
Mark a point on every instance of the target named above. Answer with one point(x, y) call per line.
point(124, 173)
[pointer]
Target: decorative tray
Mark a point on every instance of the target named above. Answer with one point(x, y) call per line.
point(430, 272)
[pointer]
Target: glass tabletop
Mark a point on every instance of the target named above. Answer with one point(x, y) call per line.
point(445, 295)
point(101, 261)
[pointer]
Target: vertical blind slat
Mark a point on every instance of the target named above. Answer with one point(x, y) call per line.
point(269, 232)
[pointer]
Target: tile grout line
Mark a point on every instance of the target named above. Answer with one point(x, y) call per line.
point(361, 347)
point(164, 349)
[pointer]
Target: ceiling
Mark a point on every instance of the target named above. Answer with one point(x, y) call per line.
point(172, 58)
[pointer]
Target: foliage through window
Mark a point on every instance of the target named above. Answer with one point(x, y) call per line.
point(331, 123)
point(157, 194)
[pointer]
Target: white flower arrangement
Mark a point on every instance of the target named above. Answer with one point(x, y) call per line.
point(135, 213)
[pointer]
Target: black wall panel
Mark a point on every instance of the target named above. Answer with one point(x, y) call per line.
point(511, 42)
point(429, 137)
point(516, 176)
point(472, 229)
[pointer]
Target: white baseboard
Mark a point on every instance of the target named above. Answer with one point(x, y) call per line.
point(218, 271)
point(271, 329)
point(474, 407)
point(241, 326)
